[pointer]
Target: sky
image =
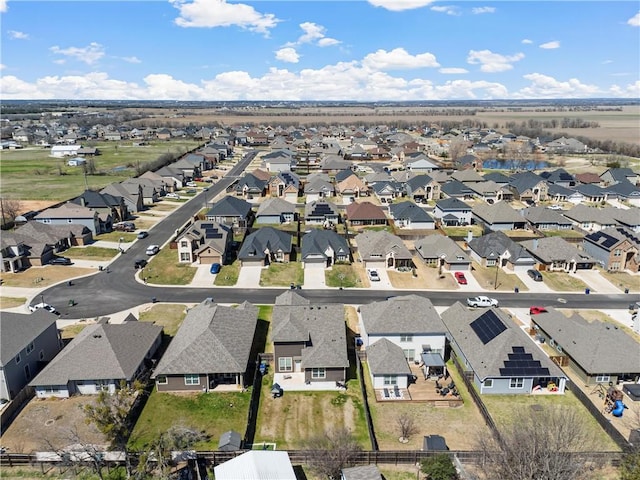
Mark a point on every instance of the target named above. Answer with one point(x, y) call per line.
point(296, 50)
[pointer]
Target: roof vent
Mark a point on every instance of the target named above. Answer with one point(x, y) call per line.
point(97, 336)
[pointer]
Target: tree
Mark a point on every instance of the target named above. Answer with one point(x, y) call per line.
point(542, 444)
point(457, 148)
point(9, 209)
point(439, 467)
point(406, 425)
point(332, 452)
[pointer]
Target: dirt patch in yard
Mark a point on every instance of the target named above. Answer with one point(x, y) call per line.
point(50, 423)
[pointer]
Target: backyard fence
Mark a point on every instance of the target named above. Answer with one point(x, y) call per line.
point(365, 401)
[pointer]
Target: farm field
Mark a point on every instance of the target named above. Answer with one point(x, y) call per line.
point(31, 174)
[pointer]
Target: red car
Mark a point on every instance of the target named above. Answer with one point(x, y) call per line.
point(462, 280)
point(536, 310)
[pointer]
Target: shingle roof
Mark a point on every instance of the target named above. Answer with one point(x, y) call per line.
point(266, 238)
point(524, 181)
point(583, 213)
point(212, 339)
point(495, 244)
point(538, 215)
point(380, 243)
point(397, 315)
point(549, 249)
point(452, 204)
point(275, 206)
point(101, 351)
point(386, 358)
point(318, 241)
point(598, 347)
point(455, 188)
point(436, 246)
point(230, 207)
point(322, 325)
point(499, 212)
point(364, 211)
point(18, 330)
point(409, 210)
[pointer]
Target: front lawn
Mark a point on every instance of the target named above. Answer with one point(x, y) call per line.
point(563, 282)
point(38, 277)
point(282, 275)
point(11, 302)
point(164, 269)
point(622, 280)
point(91, 253)
point(213, 413)
point(341, 276)
point(486, 277)
point(115, 236)
point(228, 275)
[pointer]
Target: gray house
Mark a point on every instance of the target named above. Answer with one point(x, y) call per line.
point(498, 216)
point(496, 247)
point(498, 355)
point(71, 213)
point(212, 348)
point(100, 358)
point(382, 249)
point(265, 246)
point(310, 342)
point(26, 344)
point(542, 218)
point(597, 352)
point(323, 248)
point(409, 216)
point(452, 212)
point(555, 254)
point(438, 250)
point(275, 210)
point(233, 212)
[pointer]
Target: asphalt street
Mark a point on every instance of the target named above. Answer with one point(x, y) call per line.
point(105, 293)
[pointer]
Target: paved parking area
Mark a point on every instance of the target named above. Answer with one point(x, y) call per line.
point(249, 277)
point(314, 278)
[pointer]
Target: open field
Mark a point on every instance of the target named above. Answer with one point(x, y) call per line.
point(21, 169)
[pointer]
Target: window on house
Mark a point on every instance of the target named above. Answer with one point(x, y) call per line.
point(491, 262)
point(318, 373)
point(603, 379)
point(390, 380)
point(41, 355)
point(516, 383)
point(192, 379)
point(617, 252)
point(18, 359)
point(409, 354)
point(162, 380)
point(406, 338)
point(488, 383)
point(30, 348)
point(185, 257)
point(285, 364)
point(184, 244)
point(27, 372)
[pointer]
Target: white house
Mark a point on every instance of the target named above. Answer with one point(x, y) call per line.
point(65, 150)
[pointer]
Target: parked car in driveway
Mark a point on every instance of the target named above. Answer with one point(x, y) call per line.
point(460, 278)
point(536, 310)
point(192, 184)
point(124, 227)
point(482, 301)
point(174, 196)
point(152, 249)
point(43, 306)
point(215, 268)
point(60, 261)
point(535, 274)
point(373, 275)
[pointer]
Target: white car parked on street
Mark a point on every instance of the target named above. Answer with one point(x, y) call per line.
point(482, 301)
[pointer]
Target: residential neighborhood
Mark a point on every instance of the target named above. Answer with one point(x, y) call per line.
point(326, 276)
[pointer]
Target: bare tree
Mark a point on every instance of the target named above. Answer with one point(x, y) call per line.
point(518, 153)
point(544, 444)
point(333, 451)
point(9, 209)
point(457, 149)
point(407, 426)
point(80, 453)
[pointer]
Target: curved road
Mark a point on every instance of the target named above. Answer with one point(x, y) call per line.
point(105, 293)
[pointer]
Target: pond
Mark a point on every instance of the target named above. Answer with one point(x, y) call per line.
point(496, 164)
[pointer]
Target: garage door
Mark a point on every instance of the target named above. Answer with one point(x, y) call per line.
point(315, 263)
point(251, 263)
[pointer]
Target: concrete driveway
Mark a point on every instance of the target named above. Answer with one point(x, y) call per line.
point(472, 284)
point(249, 276)
point(532, 285)
point(203, 277)
point(384, 283)
point(314, 278)
point(597, 283)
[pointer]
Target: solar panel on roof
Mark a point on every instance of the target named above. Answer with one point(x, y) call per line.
point(522, 364)
point(488, 326)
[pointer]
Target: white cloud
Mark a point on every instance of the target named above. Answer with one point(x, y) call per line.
point(2, 66)
point(328, 42)
point(89, 54)
point(544, 86)
point(607, 62)
point(398, 59)
point(453, 71)
point(400, 5)
point(550, 45)
point(480, 10)
point(219, 13)
point(448, 9)
point(492, 62)
point(630, 91)
point(635, 20)
point(3, 6)
point(314, 33)
point(527, 41)
point(288, 54)
point(14, 35)
point(132, 59)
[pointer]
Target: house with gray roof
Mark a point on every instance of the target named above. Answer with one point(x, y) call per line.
point(212, 349)
point(321, 212)
point(616, 175)
point(409, 216)
point(467, 176)
point(310, 345)
point(498, 216)
point(628, 218)
point(590, 219)
point(592, 193)
point(106, 204)
point(496, 248)
point(541, 218)
point(422, 188)
point(174, 177)
point(382, 249)
point(323, 248)
point(233, 212)
point(455, 189)
point(624, 191)
point(364, 472)
point(395, 319)
point(204, 242)
point(559, 176)
point(597, 352)
point(250, 186)
point(100, 358)
point(276, 211)
point(615, 248)
point(27, 343)
point(452, 212)
point(498, 355)
point(420, 163)
point(388, 365)
point(130, 192)
point(490, 191)
point(71, 213)
point(318, 188)
point(555, 254)
point(497, 177)
point(265, 246)
point(528, 187)
point(438, 250)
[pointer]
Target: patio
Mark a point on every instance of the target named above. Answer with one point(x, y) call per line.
point(295, 382)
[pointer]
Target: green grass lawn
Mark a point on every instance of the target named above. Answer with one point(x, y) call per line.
point(563, 233)
point(169, 316)
point(11, 302)
point(341, 276)
point(282, 275)
point(23, 169)
point(228, 275)
point(460, 232)
point(164, 269)
point(115, 236)
point(92, 253)
point(622, 280)
point(563, 282)
point(214, 413)
point(486, 276)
